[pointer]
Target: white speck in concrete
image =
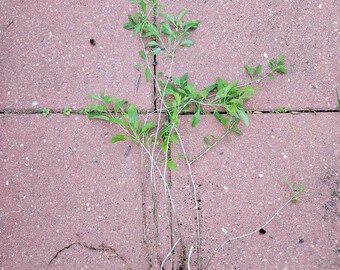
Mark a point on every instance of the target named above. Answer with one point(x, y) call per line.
point(34, 103)
point(261, 175)
point(265, 55)
point(224, 230)
point(226, 189)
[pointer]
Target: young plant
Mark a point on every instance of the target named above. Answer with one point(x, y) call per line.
point(223, 100)
point(67, 111)
point(45, 112)
point(281, 110)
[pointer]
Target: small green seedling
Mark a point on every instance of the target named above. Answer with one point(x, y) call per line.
point(281, 110)
point(295, 190)
point(67, 111)
point(84, 112)
point(138, 66)
point(45, 112)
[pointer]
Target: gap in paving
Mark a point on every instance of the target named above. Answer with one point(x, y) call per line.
point(142, 112)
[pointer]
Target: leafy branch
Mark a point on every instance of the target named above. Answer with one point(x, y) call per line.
point(222, 99)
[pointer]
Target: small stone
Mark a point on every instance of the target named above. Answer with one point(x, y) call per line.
point(265, 55)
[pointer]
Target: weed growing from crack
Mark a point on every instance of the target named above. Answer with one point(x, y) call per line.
point(158, 129)
point(45, 112)
point(67, 111)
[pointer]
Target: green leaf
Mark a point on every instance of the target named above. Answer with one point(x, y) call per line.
point(176, 81)
point(152, 44)
point(98, 116)
point(244, 117)
point(156, 51)
point(249, 71)
point(220, 83)
point(96, 108)
point(116, 121)
point(271, 64)
point(210, 88)
point(138, 66)
point(96, 98)
point(271, 75)
point(153, 29)
point(143, 6)
point(137, 29)
point(280, 60)
point(129, 26)
point(147, 74)
point(196, 118)
point(168, 17)
point(142, 54)
point(207, 141)
point(119, 138)
point(215, 138)
point(173, 138)
point(166, 29)
point(171, 165)
point(148, 126)
point(220, 118)
point(132, 19)
point(187, 43)
point(67, 111)
point(132, 114)
point(280, 69)
point(118, 105)
point(191, 24)
point(258, 70)
point(184, 80)
point(178, 98)
point(46, 112)
point(236, 129)
point(181, 15)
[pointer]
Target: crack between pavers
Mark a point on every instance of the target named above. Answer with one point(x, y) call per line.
point(155, 66)
point(101, 247)
point(79, 112)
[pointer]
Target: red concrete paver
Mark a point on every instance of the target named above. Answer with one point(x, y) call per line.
point(47, 58)
point(241, 185)
point(62, 182)
point(233, 33)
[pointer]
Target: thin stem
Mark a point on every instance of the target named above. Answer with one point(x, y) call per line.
point(214, 144)
point(195, 199)
point(167, 256)
point(252, 232)
point(189, 256)
point(145, 237)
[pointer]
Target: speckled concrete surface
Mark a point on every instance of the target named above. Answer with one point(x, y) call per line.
point(46, 55)
point(241, 185)
point(62, 182)
point(233, 33)
point(71, 200)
